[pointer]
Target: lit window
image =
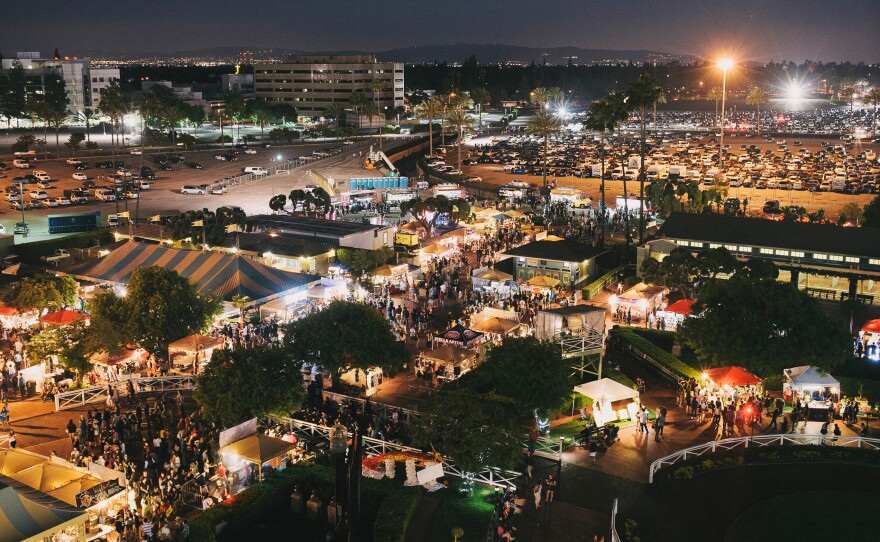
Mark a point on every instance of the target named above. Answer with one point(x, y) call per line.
point(745, 249)
point(796, 254)
point(834, 258)
point(851, 259)
point(714, 245)
point(731, 248)
point(767, 251)
point(820, 256)
point(874, 261)
point(782, 253)
point(683, 243)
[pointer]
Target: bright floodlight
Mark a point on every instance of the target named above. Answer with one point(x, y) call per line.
point(795, 92)
point(562, 111)
point(725, 64)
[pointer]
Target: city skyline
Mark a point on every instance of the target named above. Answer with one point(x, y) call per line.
point(749, 29)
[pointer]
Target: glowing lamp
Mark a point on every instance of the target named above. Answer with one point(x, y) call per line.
point(725, 64)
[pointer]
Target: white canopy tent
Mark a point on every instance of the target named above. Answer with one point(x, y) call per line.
point(808, 381)
point(604, 392)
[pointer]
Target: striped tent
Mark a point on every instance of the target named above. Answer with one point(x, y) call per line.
point(225, 275)
point(22, 520)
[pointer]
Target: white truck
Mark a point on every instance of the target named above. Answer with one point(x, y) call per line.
point(60, 255)
point(677, 171)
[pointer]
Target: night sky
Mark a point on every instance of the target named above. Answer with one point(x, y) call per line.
point(749, 29)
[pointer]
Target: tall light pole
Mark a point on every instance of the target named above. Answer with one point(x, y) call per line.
point(725, 64)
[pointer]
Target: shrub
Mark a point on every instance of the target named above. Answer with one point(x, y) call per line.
point(773, 382)
point(663, 339)
point(394, 514)
point(657, 354)
point(683, 473)
point(707, 464)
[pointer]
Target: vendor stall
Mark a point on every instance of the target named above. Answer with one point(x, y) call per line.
point(492, 281)
point(64, 317)
point(869, 340)
point(194, 351)
point(819, 391)
point(369, 380)
point(399, 276)
point(611, 400)
point(328, 290)
point(675, 313)
point(256, 449)
point(542, 284)
point(458, 335)
point(25, 520)
point(639, 301)
point(115, 367)
point(11, 318)
point(447, 363)
point(731, 377)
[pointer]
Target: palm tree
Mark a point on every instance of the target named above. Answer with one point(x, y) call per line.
point(660, 100)
point(546, 124)
point(848, 93)
point(756, 97)
point(87, 115)
point(430, 109)
point(32, 109)
point(336, 112)
point(598, 120)
point(112, 105)
point(56, 119)
point(480, 96)
point(873, 98)
point(259, 113)
point(240, 302)
point(715, 94)
point(619, 108)
point(357, 101)
point(147, 104)
point(543, 97)
point(643, 94)
point(173, 113)
point(462, 122)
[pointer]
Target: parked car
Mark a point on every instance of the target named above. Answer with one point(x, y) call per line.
point(38, 194)
point(192, 189)
point(194, 165)
point(80, 177)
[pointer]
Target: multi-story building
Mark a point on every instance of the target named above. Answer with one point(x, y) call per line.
point(314, 83)
point(240, 82)
point(184, 93)
point(82, 83)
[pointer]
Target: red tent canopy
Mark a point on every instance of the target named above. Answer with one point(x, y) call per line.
point(63, 317)
point(682, 306)
point(8, 311)
point(732, 376)
point(873, 326)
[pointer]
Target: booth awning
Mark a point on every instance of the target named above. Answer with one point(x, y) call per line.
point(810, 376)
point(732, 376)
point(872, 326)
point(258, 448)
point(641, 291)
point(63, 317)
point(460, 335)
point(682, 306)
point(543, 281)
point(496, 325)
point(605, 389)
point(22, 520)
point(492, 275)
point(8, 311)
point(448, 353)
point(125, 355)
point(435, 248)
point(196, 343)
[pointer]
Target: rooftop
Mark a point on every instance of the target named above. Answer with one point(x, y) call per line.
point(715, 228)
point(316, 227)
point(562, 251)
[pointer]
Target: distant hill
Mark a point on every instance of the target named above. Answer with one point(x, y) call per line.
point(458, 53)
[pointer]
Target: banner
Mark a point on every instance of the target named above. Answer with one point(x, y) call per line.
point(238, 432)
point(97, 494)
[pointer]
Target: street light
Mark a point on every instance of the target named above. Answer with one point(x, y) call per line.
point(725, 64)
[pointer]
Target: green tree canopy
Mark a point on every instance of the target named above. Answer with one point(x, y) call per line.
point(436, 207)
point(871, 213)
point(70, 343)
point(42, 292)
point(360, 260)
point(159, 307)
point(530, 372)
point(346, 336)
point(474, 430)
point(247, 382)
point(765, 326)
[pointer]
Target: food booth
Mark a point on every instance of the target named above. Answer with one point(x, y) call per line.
point(542, 284)
point(869, 336)
point(641, 300)
point(64, 317)
point(612, 400)
point(447, 362)
point(490, 280)
point(675, 313)
point(194, 351)
point(819, 391)
point(459, 335)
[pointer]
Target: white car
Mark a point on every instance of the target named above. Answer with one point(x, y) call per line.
point(73, 161)
point(136, 152)
point(144, 185)
point(44, 185)
point(38, 194)
point(123, 173)
point(12, 196)
point(79, 177)
point(50, 203)
point(250, 151)
point(62, 201)
point(219, 157)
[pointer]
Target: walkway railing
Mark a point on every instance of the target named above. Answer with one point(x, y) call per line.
point(546, 447)
point(490, 476)
point(615, 537)
point(98, 394)
point(760, 440)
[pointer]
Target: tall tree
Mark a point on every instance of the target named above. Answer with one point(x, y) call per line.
point(600, 119)
point(43, 292)
point(463, 123)
point(259, 113)
point(430, 109)
point(337, 113)
point(481, 98)
point(70, 343)
point(56, 119)
point(765, 326)
point(173, 113)
point(112, 104)
point(345, 336)
point(544, 123)
point(873, 98)
point(756, 97)
point(643, 94)
point(474, 430)
point(13, 93)
point(715, 94)
point(235, 107)
point(249, 382)
point(619, 109)
point(86, 115)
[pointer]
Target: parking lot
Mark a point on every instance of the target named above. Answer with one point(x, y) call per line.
point(811, 172)
point(164, 193)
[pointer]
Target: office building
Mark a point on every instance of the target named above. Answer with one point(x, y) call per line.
point(314, 83)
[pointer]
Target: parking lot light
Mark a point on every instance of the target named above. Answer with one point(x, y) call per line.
point(725, 64)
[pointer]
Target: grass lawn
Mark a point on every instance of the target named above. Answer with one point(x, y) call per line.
point(472, 513)
point(814, 515)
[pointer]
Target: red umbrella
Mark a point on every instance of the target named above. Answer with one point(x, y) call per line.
point(732, 376)
point(682, 306)
point(873, 326)
point(64, 317)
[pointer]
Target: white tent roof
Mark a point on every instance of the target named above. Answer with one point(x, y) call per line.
point(606, 390)
point(807, 375)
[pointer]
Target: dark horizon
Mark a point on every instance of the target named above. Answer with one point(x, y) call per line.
point(748, 30)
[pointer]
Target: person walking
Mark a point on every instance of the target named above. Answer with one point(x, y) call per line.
point(658, 425)
point(643, 421)
point(536, 491)
point(772, 424)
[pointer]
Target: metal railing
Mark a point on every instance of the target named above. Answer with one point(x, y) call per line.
point(760, 441)
point(491, 476)
point(615, 537)
point(98, 394)
point(549, 448)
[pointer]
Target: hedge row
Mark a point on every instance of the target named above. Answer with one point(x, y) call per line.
point(656, 353)
point(388, 501)
point(663, 339)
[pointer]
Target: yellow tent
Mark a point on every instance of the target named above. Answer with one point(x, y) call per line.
point(493, 275)
point(12, 461)
point(435, 248)
point(258, 448)
point(500, 326)
point(47, 476)
point(22, 520)
point(513, 213)
point(543, 281)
